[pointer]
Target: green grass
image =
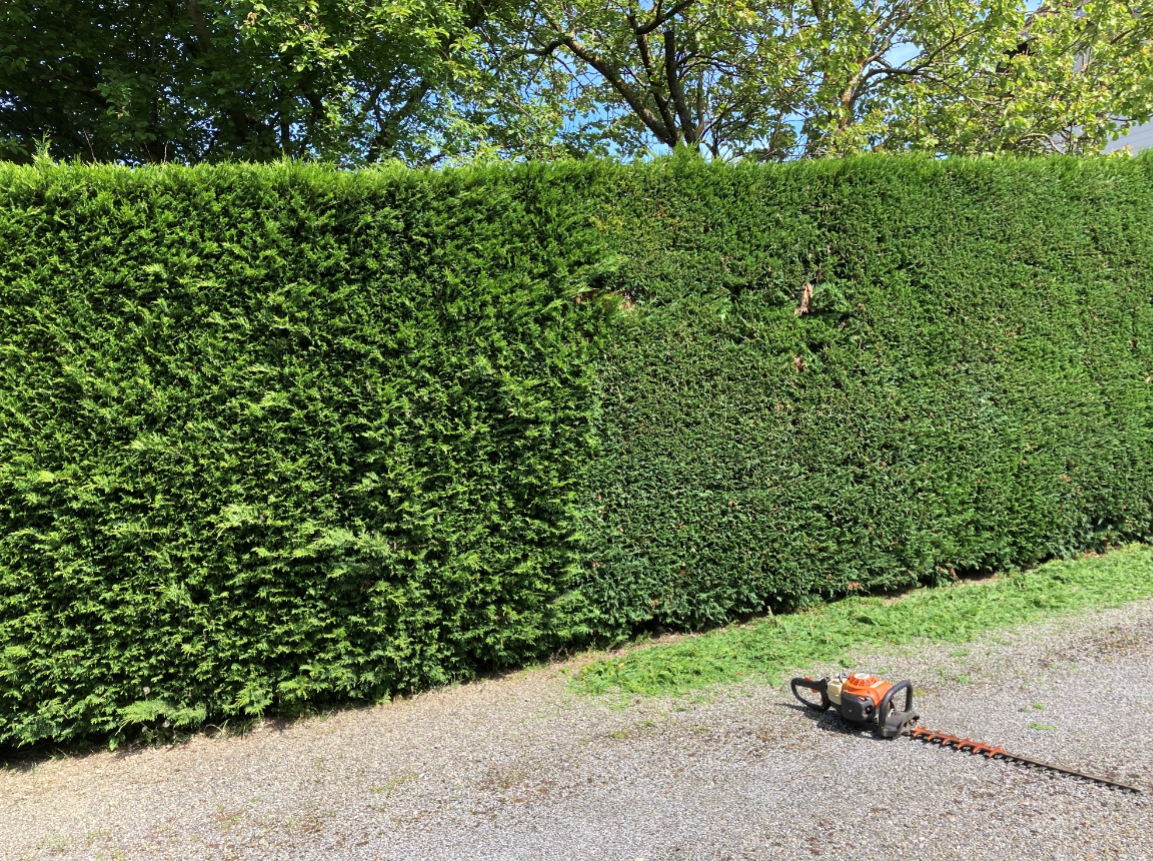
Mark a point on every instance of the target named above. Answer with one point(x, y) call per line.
point(769, 648)
point(395, 783)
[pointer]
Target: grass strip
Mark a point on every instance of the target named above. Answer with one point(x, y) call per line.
point(768, 648)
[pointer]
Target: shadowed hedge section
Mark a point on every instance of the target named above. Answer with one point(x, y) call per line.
point(969, 387)
point(272, 436)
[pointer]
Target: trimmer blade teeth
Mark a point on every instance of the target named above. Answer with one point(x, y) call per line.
point(967, 745)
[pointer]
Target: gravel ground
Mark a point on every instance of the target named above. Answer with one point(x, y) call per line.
point(517, 768)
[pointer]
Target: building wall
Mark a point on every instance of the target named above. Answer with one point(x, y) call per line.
point(1139, 138)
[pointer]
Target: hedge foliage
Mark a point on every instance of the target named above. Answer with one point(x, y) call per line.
point(278, 435)
point(281, 435)
point(970, 388)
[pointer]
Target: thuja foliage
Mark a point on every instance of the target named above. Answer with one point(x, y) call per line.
point(857, 375)
point(280, 435)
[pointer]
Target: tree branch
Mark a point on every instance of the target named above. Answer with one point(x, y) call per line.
point(661, 18)
point(676, 90)
point(654, 80)
point(199, 26)
point(388, 133)
point(663, 133)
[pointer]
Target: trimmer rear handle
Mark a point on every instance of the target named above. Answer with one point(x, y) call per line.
point(821, 686)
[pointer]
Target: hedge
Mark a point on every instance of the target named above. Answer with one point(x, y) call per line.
point(969, 387)
point(273, 435)
point(282, 435)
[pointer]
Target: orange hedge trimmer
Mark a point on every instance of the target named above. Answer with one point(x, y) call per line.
point(868, 700)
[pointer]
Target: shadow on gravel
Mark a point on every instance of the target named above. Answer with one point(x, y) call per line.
point(27, 760)
point(831, 722)
point(140, 739)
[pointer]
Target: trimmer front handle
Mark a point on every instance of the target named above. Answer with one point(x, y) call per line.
point(895, 722)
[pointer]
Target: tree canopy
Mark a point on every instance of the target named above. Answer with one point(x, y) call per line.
point(429, 81)
point(210, 80)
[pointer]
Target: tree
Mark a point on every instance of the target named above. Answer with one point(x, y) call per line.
point(196, 80)
point(1074, 77)
point(775, 79)
point(435, 81)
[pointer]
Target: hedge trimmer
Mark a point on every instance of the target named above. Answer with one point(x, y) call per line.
point(869, 701)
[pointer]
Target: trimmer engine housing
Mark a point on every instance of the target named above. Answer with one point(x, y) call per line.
point(863, 699)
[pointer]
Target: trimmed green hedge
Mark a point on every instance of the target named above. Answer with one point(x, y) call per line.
point(273, 435)
point(970, 389)
point(278, 435)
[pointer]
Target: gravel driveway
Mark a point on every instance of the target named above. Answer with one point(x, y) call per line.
point(518, 768)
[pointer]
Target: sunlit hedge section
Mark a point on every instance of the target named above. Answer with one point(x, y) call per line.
point(280, 435)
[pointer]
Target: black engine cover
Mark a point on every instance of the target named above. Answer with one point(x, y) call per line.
point(856, 709)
